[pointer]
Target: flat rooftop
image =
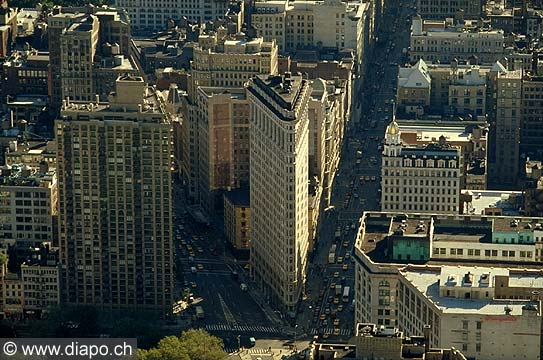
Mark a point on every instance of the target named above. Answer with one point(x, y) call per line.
point(380, 228)
point(508, 201)
point(427, 282)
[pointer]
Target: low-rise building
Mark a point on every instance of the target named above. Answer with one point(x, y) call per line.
point(492, 202)
point(26, 73)
point(443, 41)
point(28, 204)
point(452, 286)
point(237, 219)
point(441, 9)
point(470, 136)
point(420, 178)
point(32, 153)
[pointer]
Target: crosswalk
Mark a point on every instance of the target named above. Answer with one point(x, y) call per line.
point(242, 328)
point(253, 351)
point(330, 331)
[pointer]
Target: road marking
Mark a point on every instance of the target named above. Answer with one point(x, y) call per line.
point(242, 328)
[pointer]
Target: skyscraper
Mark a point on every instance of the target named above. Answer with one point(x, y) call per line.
point(115, 199)
point(279, 142)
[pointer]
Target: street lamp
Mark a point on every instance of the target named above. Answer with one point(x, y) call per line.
point(239, 341)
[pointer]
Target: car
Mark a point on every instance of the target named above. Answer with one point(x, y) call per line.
point(340, 308)
point(325, 335)
point(366, 178)
point(192, 254)
point(332, 285)
point(336, 322)
point(330, 298)
point(347, 255)
point(200, 267)
point(343, 280)
point(200, 250)
point(336, 274)
point(189, 247)
point(336, 300)
point(323, 317)
point(345, 244)
point(336, 331)
point(345, 267)
point(327, 311)
point(339, 259)
point(193, 285)
point(373, 178)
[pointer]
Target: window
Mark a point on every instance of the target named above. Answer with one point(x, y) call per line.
point(465, 324)
point(479, 325)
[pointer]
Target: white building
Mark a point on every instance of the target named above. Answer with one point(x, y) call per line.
point(405, 279)
point(329, 23)
point(460, 304)
point(154, 14)
point(279, 143)
point(447, 42)
point(423, 179)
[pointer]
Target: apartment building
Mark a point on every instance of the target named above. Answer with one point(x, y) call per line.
point(451, 89)
point(32, 154)
point(75, 37)
point(153, 15)
point(227, 60)
point(35, 288)
point(448, 275)
point(422, 179)
point(444, 41)
point(28, 204)
point(439, 10)
point(269, 20)
point(115, 199)
point(470, 136)
point(223, 140)
point(26, 73)
point(279, 185)
point(329, 23)
point(40, 278)
point(414, 88)
point(237, 219)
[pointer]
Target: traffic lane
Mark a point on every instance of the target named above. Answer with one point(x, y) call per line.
point(238, 306)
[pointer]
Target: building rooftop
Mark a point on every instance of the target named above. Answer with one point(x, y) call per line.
point(414, 77)
point(24, 175)
point(427, 281)
point(433, 150)
point(480, 200)
point(238, 197)
point(380, 229)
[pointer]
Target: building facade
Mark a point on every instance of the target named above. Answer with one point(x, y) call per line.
point(223, 131)
point(279, 176)
point(237, 218)
point(28, 205)
point(405, 279)
point(420, 179)
point(446, 42)
point(115, 182)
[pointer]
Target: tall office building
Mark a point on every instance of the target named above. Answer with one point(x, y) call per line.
point(279, 142)
point(115, 199)
point(505, 118)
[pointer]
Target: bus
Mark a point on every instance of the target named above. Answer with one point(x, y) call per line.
point(346, 291)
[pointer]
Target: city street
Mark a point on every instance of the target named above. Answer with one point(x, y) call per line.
point(207, 270)
point(356, 187)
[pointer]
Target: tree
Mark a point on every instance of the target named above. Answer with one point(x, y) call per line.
point(191, 345)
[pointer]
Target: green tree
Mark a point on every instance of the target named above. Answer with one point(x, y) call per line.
point(191, 345)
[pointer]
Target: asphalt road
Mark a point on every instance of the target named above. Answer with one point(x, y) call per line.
point(229, 311)
point(356, 187)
